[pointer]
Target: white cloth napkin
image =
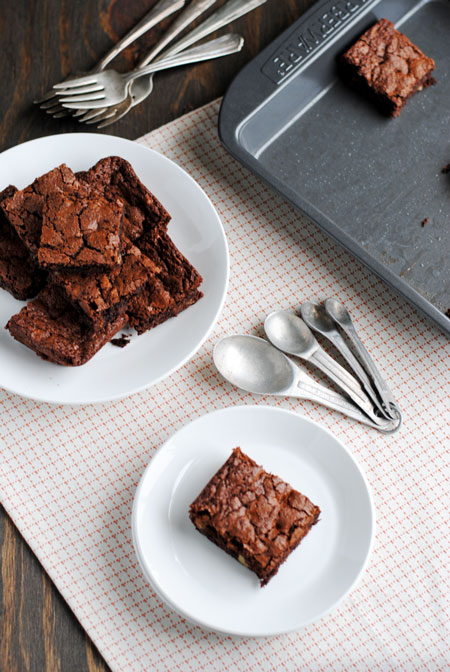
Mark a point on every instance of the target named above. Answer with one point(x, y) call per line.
point(68, 475)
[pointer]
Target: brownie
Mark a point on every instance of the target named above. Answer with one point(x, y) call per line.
point(80, 229)
point(19, 273)
point(254, 516)
point(385, 65)
point(154, 305)
point(174, 288)
point(99, 295)
point(75, 236)
point(53, 330)
point(24, 208)
point(142, 212)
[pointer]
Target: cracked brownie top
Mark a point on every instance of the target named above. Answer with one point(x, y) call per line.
point(52, 328)
point(253, 515)
point(80, 229)
point(115, 177)
point(389, 63)
point(24, 208)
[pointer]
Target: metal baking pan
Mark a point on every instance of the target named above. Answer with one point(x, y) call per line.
point(369, 181)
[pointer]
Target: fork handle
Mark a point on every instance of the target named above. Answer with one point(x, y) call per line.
point(229, 12)
point(222, 46)
point(192, 11)
point(159, 12)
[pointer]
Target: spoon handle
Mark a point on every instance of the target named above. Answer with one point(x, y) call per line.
point(339, 343)
point(226, 14)
point(381, 385)
point(346, 382)
point(314, 392)
point(389, 403)
point(221, 46)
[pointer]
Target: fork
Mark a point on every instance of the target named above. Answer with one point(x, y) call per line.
point(189, 14)
point(110, 87)
point(141, 88)
point(160, 11)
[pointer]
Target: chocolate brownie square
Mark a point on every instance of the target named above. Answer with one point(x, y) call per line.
point(19, 273)
point(174, 288)
point(53, 330)
point(386, 66)
point(80, 229)
point(24, 208)
point(98, 296)
point(143, 212)
point(252, 515)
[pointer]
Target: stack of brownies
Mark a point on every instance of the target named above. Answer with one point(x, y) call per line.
point(93, 248)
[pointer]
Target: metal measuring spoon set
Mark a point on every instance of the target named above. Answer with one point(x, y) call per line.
point(254, 365)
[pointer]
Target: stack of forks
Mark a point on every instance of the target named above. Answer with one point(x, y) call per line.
point(104, 96)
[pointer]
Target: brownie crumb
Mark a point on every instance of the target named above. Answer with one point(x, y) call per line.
point(447, 313)
point(424, 222)
point(121, 342)
point(446, 169)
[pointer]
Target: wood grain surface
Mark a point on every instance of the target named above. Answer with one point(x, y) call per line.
point(42, 41)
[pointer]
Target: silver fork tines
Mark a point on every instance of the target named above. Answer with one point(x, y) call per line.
point(111, 87)
point(159, 12)
point(141, 87)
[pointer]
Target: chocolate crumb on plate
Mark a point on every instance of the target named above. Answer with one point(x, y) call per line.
point(121, 341)
point(424, 222)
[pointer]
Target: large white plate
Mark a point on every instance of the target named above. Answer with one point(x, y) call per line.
point(195, 228)
point(207, 586)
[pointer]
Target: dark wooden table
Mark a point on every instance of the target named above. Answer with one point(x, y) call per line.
point(42, 41)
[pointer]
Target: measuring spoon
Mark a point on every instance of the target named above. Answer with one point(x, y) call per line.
point(290, 334)
point(255, 366)
point(339, 313)
point(318, 319)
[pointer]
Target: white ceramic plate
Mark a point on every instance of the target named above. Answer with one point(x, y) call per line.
point(206, 585)
point(195, 228)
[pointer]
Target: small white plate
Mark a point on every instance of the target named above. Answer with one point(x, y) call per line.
point(207, 586)
point(195, 228)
